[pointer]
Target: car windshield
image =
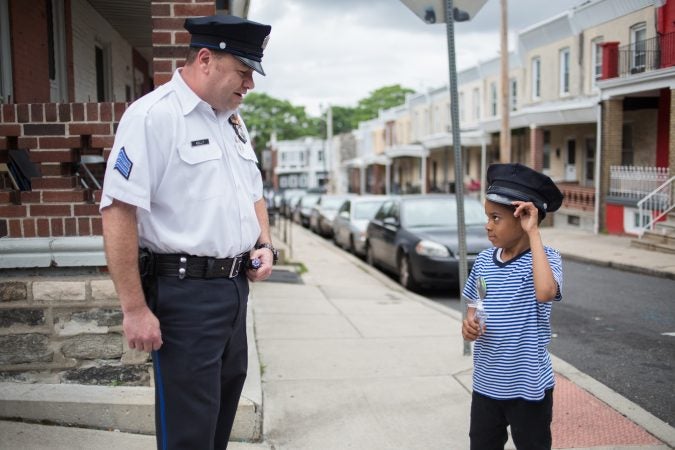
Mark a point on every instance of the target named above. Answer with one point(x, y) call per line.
point(440, 212)
point(309, 200)
point(366, 210)
point(332, 202)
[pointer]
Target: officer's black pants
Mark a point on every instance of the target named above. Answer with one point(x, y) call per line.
point(530, 422)
point(201, 367)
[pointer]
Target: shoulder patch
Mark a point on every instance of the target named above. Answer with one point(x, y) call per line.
point(123, 164)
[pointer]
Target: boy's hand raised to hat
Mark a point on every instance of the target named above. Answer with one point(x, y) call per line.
point(528, 215)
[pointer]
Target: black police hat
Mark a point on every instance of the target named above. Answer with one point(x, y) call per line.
point(242, 38)
point(509, 182)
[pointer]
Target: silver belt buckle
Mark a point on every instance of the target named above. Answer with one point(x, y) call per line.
point(236, 265)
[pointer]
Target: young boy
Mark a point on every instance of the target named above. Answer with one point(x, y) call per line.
point(513, 377)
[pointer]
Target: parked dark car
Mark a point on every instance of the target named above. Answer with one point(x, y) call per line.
point(304, 209)
point(416, 237)
point(349, 226)
point(289, 198)
point(324, 212)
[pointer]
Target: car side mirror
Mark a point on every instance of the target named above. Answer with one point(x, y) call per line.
point(390, 221)
point(344, 214)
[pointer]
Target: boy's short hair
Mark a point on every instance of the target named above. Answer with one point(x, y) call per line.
point(516, 182)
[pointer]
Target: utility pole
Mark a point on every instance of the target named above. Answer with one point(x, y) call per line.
point(505, 134)
point(329, 151)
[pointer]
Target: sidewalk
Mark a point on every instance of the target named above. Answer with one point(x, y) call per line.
point(351, 360)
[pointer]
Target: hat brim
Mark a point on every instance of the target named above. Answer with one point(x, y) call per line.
point(255, 65)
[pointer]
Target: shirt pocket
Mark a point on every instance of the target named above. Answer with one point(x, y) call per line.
point(246, 152)
point(201, 176)
point(199, 154)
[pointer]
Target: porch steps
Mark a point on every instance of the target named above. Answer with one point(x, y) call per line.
point(661, 239)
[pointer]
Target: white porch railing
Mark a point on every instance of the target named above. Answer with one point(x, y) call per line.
point(635, 182)
point(656, 205)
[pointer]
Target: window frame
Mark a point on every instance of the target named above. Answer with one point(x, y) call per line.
point(596, 60)
point(535, 68)
point(564, 71)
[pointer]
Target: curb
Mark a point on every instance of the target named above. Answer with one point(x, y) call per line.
point(618, 266)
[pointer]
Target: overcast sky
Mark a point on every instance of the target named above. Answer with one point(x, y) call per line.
point(338, 51)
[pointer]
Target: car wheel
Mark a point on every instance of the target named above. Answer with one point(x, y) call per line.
point(405, 275)
point(370, 258)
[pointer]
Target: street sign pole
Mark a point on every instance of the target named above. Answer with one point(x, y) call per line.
point(459, 166)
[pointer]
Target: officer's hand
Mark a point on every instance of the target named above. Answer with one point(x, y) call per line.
point(141, 329)
point(266, 261)
point(471, 329)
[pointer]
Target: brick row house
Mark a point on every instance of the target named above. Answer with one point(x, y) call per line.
point(590, 105)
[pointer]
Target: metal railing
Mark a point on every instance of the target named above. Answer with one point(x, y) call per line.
point(647, 55)
point(635, 182)
point(656, 205)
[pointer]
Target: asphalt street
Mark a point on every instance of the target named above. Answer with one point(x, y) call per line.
point(616, 326)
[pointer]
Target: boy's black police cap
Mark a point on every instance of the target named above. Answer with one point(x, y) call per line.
point(242, 38)
point(509, 182)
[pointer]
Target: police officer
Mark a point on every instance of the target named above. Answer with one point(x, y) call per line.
point(182, 184)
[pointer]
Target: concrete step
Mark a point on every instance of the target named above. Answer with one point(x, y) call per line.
point(659, 236)
point(127, 409)
point(648, 245)
point(667, 227)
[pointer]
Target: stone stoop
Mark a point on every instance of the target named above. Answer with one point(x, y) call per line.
point(661, 239)
point(127, 409)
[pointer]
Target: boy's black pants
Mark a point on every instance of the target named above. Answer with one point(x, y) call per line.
point(530, 422)
point(201, 367)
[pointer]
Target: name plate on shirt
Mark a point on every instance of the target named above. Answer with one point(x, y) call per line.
point(199, 142)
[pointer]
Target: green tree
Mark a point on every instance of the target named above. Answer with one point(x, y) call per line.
point(264, 115)
point(382, 98)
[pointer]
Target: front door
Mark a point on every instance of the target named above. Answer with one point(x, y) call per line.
point(571, 162)
point(58, 90)
point(589, 163)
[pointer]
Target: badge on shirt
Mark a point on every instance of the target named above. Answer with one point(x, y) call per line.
point(123, 164)
point(238, 129)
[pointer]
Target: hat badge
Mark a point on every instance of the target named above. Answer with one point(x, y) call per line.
point(222, 45)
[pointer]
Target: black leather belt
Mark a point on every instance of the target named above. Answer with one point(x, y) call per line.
point(186, 266)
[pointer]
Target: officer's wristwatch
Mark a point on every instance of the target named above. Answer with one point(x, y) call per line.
point(267, 245)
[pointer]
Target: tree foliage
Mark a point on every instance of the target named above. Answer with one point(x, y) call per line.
point(265, 114)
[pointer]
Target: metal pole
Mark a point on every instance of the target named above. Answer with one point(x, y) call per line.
point(459, 167)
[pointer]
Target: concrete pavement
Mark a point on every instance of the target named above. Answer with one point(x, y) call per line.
point(349, 359)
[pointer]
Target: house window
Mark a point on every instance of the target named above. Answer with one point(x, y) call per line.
point(513, 94)
point(596, 68)
point(476, 104)
point(5, 54)
point(493, 99)
point(564, 71)
point(638, 33)
point(547, 150)
point(536, 78)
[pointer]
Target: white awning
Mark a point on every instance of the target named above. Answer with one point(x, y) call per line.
point(410, 150)
point(468, 138)
point(551, 113)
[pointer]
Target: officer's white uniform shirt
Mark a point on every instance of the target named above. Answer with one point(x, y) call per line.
point(193, 181)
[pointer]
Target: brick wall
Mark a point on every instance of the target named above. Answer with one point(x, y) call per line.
point(56, 136)
point(65, 329)
point(612, 130)
point(169, 38)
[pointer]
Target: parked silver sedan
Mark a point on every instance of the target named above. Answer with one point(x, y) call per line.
point(349, 226)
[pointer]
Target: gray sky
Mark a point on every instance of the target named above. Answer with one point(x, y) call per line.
point(338, 51)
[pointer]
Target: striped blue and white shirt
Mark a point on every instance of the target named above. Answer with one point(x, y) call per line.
point(511, 359)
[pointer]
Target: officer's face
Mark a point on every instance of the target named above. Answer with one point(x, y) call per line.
point(229, 81)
